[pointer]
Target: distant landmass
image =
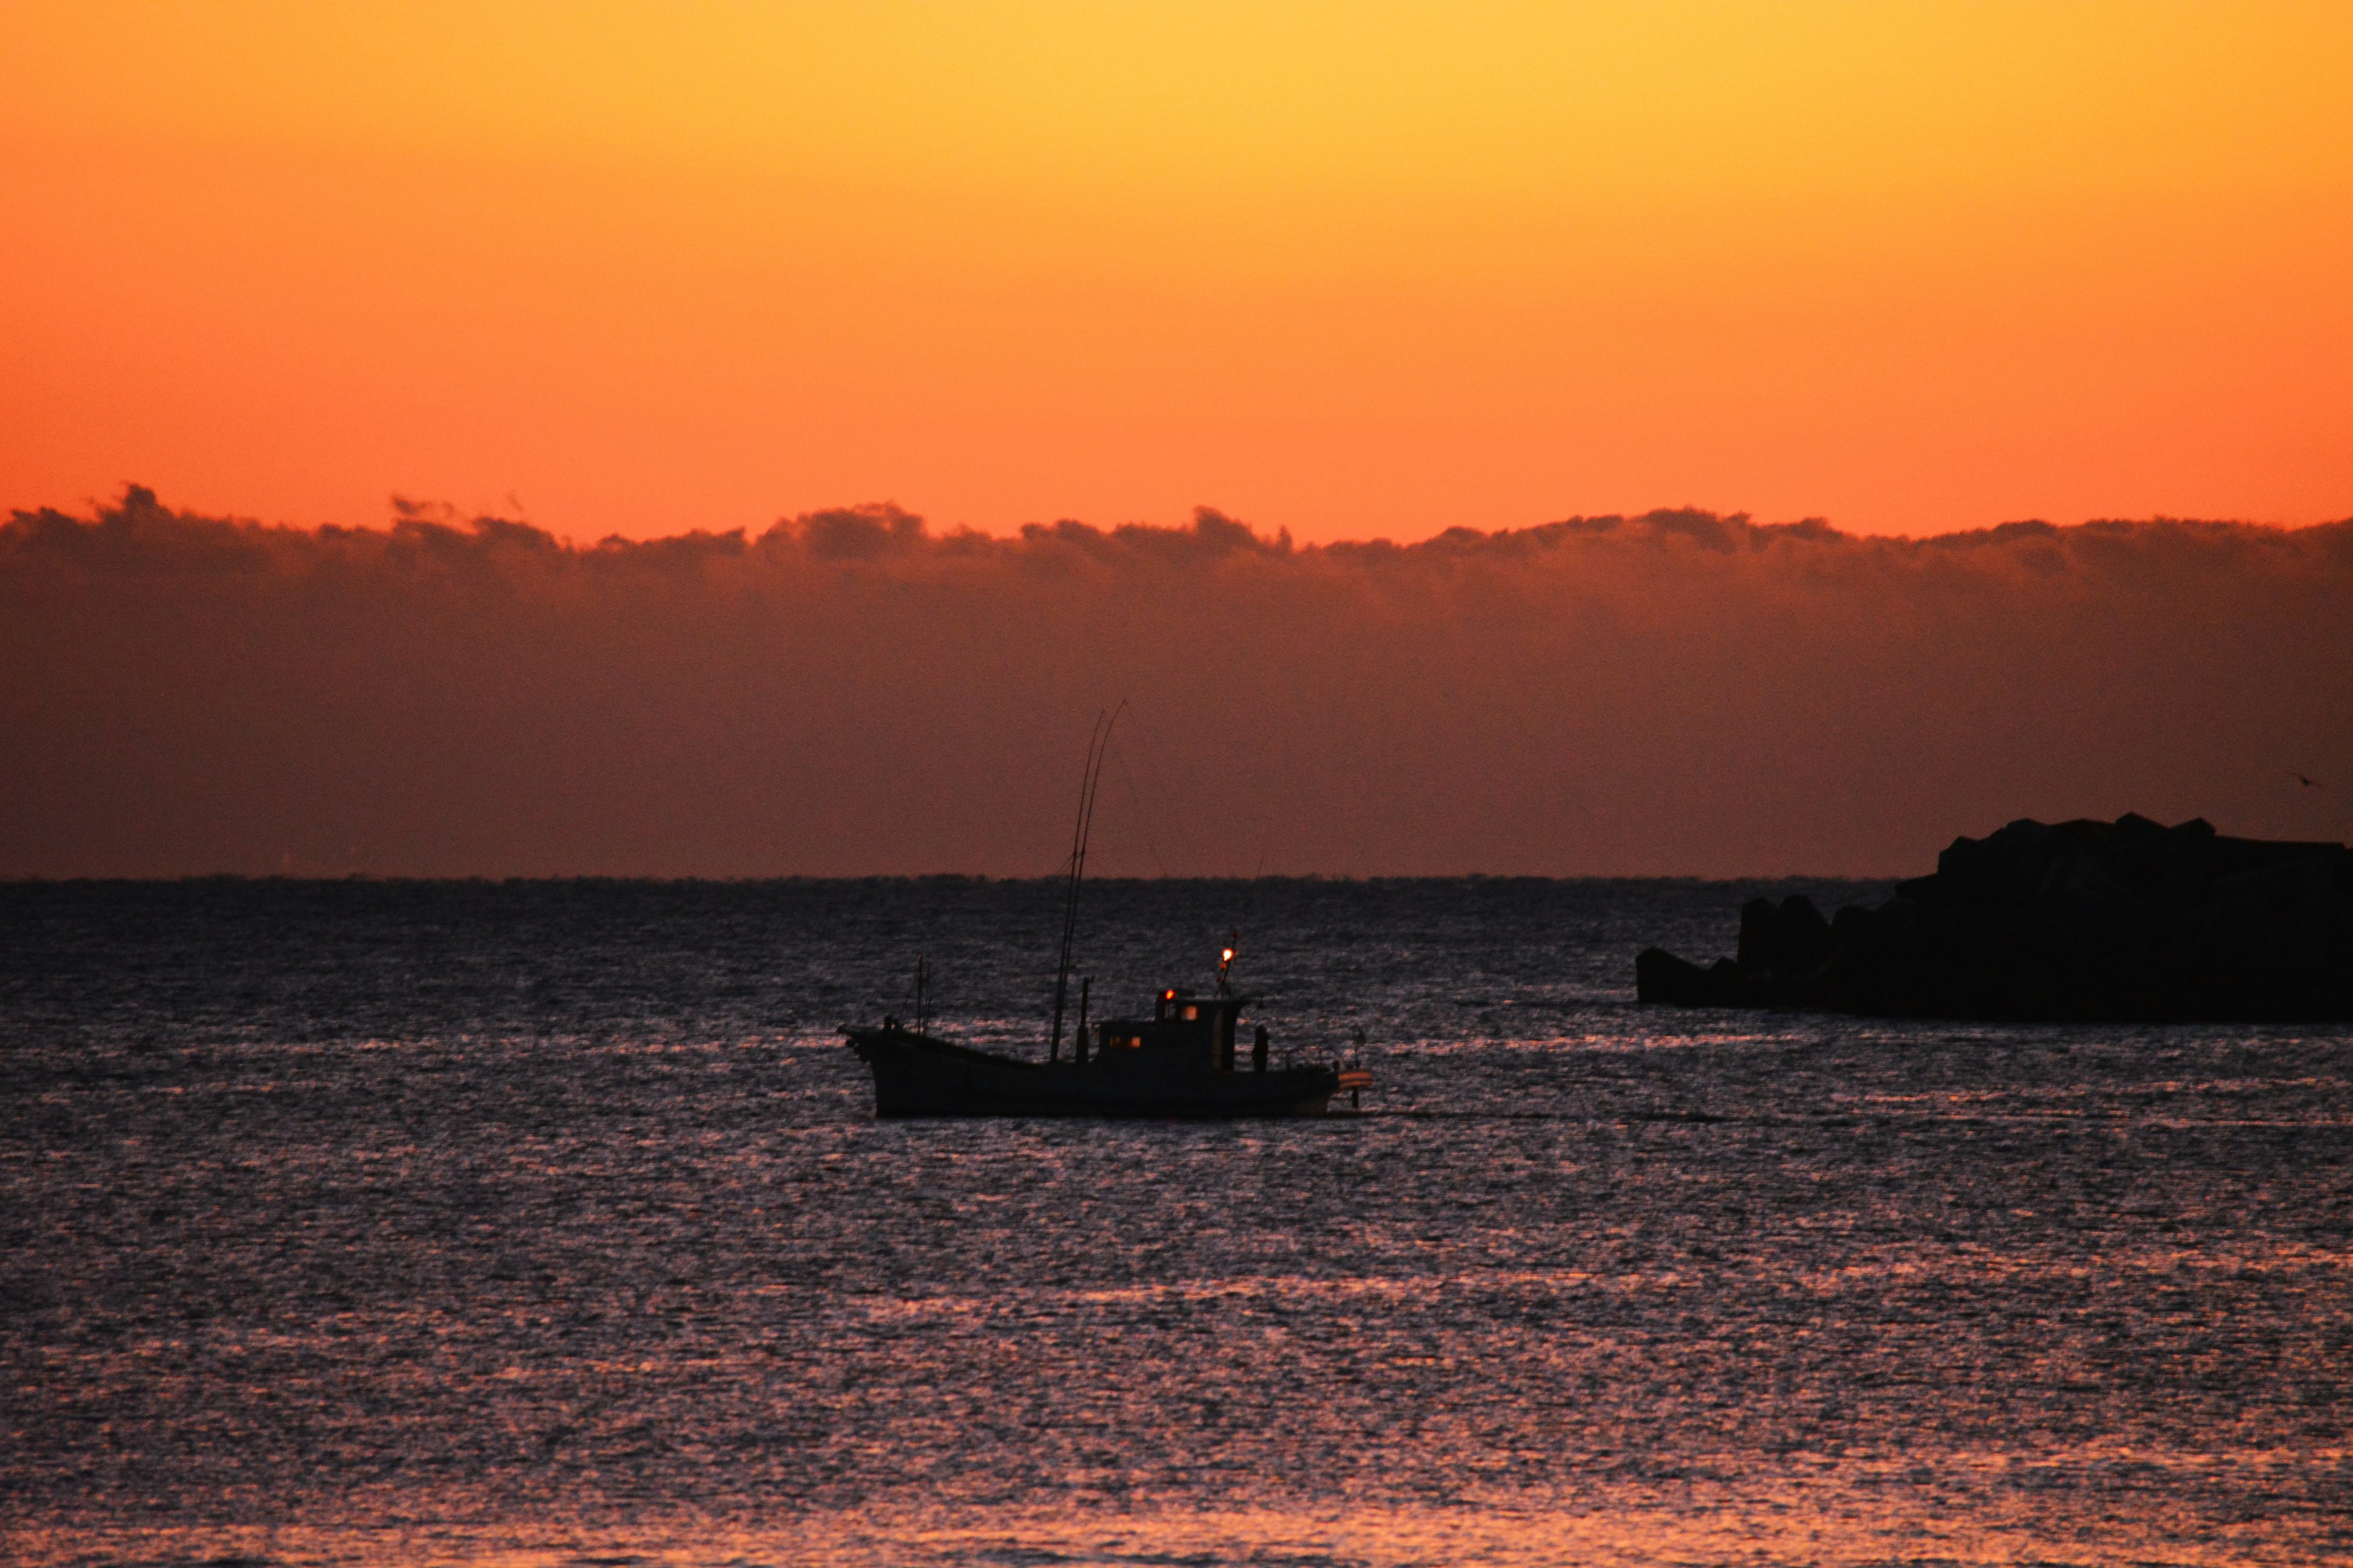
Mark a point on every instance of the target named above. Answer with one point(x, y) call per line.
point(2127, 920)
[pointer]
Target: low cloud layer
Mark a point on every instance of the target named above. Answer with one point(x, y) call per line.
point(849, 693)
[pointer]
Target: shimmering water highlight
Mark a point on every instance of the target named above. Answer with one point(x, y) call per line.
point(547, 1223)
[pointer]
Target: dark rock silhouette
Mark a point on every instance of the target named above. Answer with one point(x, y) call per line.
point(2123, 920)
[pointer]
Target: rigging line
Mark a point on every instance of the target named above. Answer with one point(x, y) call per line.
point(1143, 818)
point(1089, 772)
point(1090, 788)
point(1189, 849)
point(1094, 792)
point(1265, 832)
point(1272, 808)
point(1071, 891)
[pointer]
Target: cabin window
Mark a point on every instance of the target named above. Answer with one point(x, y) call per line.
point(1192, 1014)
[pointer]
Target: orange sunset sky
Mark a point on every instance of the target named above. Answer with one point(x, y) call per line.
point(1354, 270)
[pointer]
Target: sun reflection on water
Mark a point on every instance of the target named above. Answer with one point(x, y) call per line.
point(399, 1276)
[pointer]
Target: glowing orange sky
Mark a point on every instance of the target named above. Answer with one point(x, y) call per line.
point(1350, 270)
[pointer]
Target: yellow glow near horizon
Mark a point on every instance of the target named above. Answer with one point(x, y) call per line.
point(1360, 268)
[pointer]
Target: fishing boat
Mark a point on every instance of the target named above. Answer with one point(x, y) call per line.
point(1181, 1062)
point(1178, 1063)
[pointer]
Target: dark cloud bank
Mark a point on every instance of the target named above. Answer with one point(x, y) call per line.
point(1678, 693)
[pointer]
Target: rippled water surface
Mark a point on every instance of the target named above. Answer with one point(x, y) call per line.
point(547, 1223)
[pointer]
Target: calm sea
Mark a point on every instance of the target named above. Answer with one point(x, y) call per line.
point(548, 1223)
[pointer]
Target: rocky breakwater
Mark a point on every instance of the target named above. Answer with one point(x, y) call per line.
point(2123, 920)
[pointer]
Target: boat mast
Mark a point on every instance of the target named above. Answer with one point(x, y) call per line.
point(1090, 779)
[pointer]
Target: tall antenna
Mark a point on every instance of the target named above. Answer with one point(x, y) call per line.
point(1090, 779)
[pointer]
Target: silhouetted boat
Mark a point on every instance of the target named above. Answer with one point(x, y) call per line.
point(1180, 1062)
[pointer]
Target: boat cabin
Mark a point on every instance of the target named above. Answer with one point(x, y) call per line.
point(1186, 1033)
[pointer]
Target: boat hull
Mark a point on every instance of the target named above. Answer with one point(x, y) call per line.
point(916, 1075)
